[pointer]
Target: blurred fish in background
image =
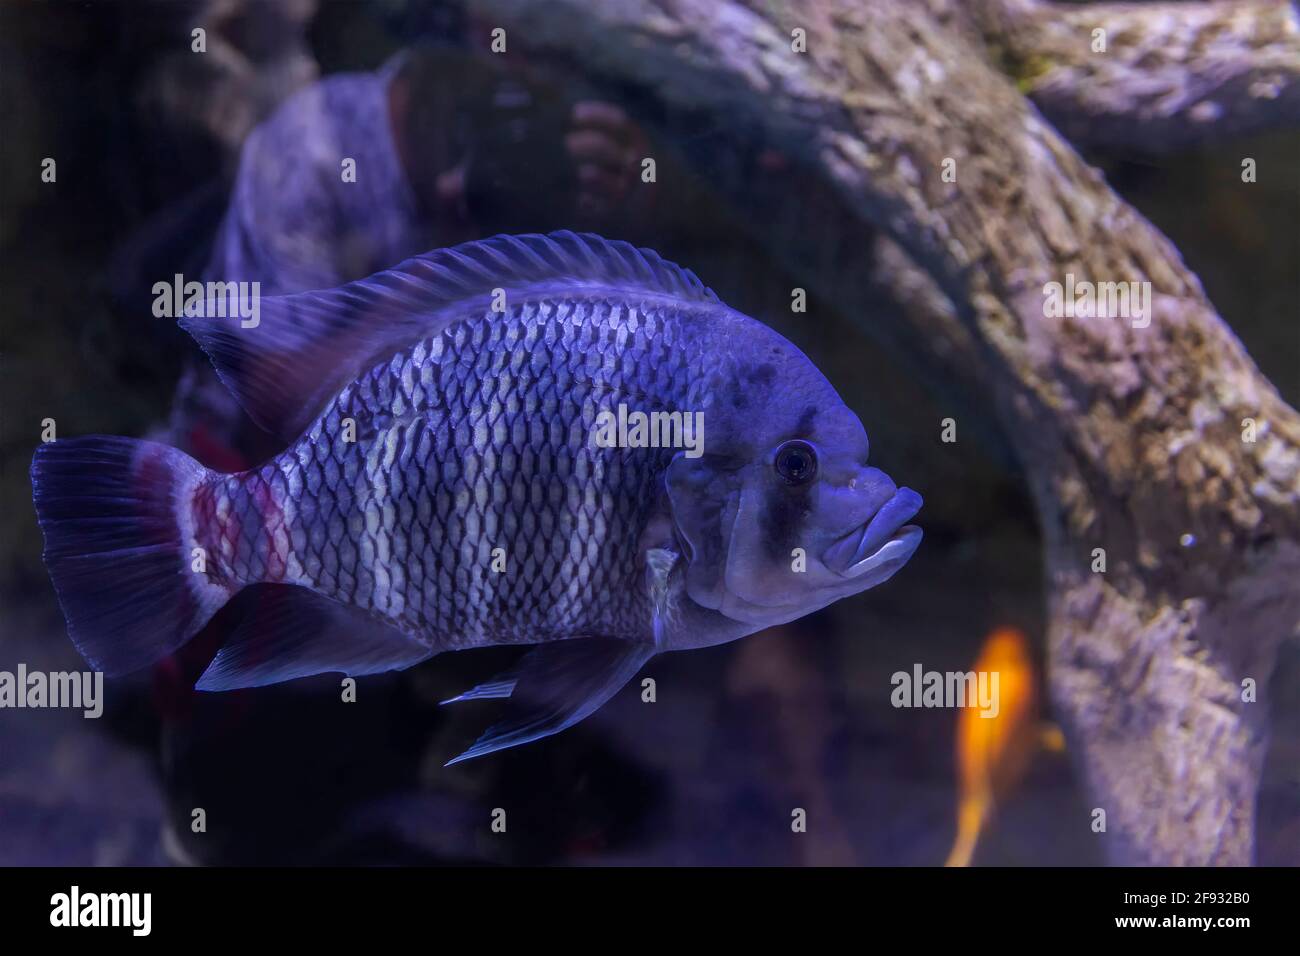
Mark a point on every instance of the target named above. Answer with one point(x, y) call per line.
point(993, 753)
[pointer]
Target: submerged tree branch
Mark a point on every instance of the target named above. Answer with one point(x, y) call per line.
point(1131, 433)
point(1172, 75)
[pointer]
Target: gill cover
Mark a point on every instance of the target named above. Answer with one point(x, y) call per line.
point(703, 496)
point(717, 512)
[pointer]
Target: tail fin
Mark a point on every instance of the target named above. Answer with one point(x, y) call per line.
point(116, 518)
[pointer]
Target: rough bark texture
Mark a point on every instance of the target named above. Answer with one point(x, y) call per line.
point(1132, 438)
point(1172, 74)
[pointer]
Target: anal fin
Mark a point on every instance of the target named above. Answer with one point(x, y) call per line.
point(292, 632)
point(554, 686)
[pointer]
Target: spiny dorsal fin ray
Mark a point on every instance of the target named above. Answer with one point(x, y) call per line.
point(307, 346)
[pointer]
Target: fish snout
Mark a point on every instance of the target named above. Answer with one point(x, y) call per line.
point(873, 490)
point(884, 538)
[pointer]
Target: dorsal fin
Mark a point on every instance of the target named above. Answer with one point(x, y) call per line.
point(307, 346)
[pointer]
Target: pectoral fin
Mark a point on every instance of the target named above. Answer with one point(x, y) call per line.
point(659, 565)
point(553, 687)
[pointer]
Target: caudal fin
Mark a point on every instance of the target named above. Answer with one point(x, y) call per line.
point(115, 515)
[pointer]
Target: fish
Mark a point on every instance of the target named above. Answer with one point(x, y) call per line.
point(442, 486)
point(993, 753)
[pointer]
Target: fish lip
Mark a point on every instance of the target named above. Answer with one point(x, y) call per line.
point(882, 539)
point(895, 551)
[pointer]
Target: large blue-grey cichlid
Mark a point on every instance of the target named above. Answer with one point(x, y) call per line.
point(455, 478)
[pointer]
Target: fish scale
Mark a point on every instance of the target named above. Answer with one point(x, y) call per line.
point(409, 535)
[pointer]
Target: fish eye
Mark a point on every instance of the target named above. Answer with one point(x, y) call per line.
point(796, 462)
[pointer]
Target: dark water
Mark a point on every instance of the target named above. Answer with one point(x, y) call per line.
point(147, 136)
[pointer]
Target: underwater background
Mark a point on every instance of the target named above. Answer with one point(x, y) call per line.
point(798, 716)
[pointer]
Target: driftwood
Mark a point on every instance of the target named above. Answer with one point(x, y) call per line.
point(1136, 438)
point(1175, 74)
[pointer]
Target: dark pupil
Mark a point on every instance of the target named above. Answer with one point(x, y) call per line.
point(795, 463)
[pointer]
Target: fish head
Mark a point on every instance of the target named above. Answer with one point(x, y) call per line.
point(781, 514)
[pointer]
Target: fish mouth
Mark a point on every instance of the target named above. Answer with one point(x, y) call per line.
point(884, 539)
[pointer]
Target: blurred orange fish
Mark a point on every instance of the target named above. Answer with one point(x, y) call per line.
point(993, 752)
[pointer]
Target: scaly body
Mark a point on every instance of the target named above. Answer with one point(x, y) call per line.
point(477, 439)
